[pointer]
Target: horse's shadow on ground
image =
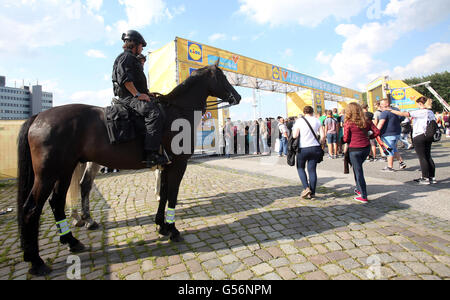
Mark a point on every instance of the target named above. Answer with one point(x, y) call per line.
point(272, 225)
point(291, 223)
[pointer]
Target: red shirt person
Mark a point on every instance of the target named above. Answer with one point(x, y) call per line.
point(357, 133)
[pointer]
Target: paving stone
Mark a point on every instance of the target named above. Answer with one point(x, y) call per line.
point(440, 269)
point(262, 269)
point(175, 269)
point(243, 275)
point(337, 255)
point(289, 249)
point(403, 256)
point(309, 251)
point(252, 261)
point(217, 274)
point(279, 262)
point(151, 275)
point(304, 268)
point(272, 276)
point(418, 268)
point(346, 276)
point(401, 269)
point(286, 273)
point(332, 270)
point(134, 276)
point(349, 264)
point(318, 260)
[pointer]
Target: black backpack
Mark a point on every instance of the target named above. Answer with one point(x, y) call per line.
point(432, 132)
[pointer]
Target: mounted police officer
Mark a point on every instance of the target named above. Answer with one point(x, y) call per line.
point(130, 85)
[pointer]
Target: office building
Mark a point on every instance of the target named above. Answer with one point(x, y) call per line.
point(22, 103)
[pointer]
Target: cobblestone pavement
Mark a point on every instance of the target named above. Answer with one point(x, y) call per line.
point(237, 225)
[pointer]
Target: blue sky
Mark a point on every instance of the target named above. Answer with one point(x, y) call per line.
point(70, 45)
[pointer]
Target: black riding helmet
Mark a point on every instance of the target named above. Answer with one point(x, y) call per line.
point(133, 35)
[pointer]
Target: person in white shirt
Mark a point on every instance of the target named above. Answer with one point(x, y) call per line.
point(284, 137)
point(309, 150)
point(422, 145)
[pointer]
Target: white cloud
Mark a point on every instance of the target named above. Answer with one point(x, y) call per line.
point(143, 13)
point(323, 58)
point(98, 98)
point(356, 63)
point(37, 24)
point(417, 14)
point(217, 37)
point(258, 36)
point(288, 52)
point(95, 53)
point(436, 59)
point(94, 5)
point(303, 12)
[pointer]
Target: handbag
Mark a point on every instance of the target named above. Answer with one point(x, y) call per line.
point(293, 149)
point(322, 153)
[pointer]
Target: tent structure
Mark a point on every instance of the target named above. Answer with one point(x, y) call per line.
point(402, 96)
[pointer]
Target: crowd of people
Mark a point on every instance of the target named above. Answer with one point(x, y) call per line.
point(354, 132)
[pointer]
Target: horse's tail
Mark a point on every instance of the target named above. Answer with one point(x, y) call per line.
point(25, 169)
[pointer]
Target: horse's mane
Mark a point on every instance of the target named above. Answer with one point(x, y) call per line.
point(183, 87)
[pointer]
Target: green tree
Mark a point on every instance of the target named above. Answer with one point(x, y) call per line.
point(440, 82)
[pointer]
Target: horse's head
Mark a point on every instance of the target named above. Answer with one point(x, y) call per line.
point(220, 87)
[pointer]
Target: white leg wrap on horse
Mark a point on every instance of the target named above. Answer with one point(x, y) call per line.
point(63, 227)
point(170, 216)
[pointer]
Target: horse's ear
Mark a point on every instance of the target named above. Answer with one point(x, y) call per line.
point(217, 63)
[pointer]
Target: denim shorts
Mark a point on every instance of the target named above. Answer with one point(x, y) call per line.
point(391, 141)
point(332, 138)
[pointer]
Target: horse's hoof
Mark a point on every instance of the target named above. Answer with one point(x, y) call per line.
point(163, 230)
point(92, 226)
point(41, 270)
point(78, 247)
point(78, 223)
point(177, 238)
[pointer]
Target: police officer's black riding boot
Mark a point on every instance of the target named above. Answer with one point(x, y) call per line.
point(153, 158)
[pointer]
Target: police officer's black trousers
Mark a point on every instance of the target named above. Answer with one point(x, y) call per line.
point(153, 122)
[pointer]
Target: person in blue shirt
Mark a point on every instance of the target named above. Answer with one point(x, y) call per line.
point(390, 130)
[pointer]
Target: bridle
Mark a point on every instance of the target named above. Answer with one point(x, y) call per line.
point(231, 100)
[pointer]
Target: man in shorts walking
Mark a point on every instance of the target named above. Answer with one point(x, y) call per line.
point(390, 129)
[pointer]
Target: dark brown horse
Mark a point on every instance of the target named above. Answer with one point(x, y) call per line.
point(53, 142)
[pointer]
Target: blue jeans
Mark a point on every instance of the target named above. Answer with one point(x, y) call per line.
point(310, 155)
point(283, 146)
point(391, 141)
point(357, 159)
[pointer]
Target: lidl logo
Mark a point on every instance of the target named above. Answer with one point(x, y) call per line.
point(398, 94)
point(195, 52)
point(276, 73)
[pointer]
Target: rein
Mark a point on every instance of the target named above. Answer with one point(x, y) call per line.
point(207, 106)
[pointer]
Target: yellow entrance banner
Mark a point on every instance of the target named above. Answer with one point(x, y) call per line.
point(201, 55)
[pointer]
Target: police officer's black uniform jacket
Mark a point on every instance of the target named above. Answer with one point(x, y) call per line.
point(127, 68)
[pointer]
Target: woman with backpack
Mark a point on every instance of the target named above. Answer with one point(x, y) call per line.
point(423, 133)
